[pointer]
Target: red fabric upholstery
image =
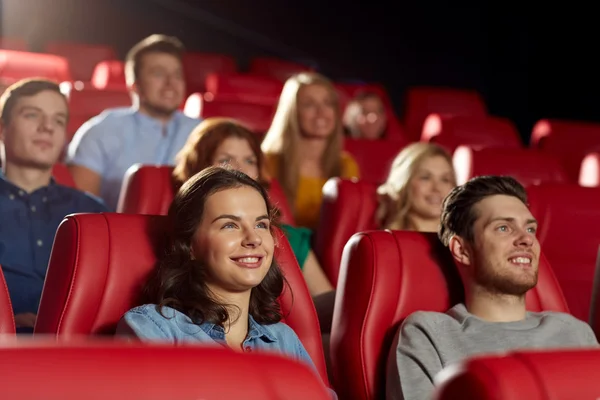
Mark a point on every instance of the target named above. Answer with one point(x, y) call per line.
point(256, 117)
point(589, 173)
point(569, 217)
point(422, 101)
point(528, 166)
point(374, 157)
point(276, 68)
point(568, 141)
point(244, 88)
point(100, 262)
point(479, 131)
point(540, 375)
point(109, 74)
point(197, 66)
point(62, 175)
point(116, 370)
point(384, 277)
point(17, 65)
point(147, 190)
point(347, 91)
point(348, 207)
point(82, 57)
point(7, 320)
point(89, 102)
point(11, 43)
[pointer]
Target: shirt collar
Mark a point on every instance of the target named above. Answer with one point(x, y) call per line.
point(9, 187)
point(255, 330)
point(146, 120)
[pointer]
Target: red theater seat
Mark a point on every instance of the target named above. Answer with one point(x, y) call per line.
point(385, 276)
point(374, 157)
point(147, 190)
point(115, 370)
point(540, 375)
point(82, 57)
point(347, 91)
point(256, 117)
point(348, 207)
point(422, 101)
point(479, 132)
point(568, 141)
point(109, 74)
point(63, 176)
point(197, 66)
point(7, 320)
point(528, 166)
point(17, 65)
point(100, 262)
point(569, 217)
point(276, 68)
point(11, 43)
point(243, 88)
point(87, 103)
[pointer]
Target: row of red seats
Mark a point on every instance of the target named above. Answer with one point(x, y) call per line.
point(381, 282)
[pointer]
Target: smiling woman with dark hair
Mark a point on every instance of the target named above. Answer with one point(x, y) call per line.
point(218, 282)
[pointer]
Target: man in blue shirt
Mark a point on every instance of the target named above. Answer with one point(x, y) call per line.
point(33, 120)
point(151, 132)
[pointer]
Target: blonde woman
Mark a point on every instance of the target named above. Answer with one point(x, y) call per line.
point(304, 144)
point(420, 178)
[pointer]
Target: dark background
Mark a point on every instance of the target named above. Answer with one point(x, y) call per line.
point(528, 61)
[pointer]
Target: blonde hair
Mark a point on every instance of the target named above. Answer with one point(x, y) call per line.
point(394, 196)
point(284, 135)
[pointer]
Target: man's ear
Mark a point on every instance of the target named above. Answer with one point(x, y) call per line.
point(460, 249)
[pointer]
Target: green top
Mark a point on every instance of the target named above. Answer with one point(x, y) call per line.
point(299, 239)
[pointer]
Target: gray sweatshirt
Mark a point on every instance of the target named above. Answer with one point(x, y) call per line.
point(429, 341)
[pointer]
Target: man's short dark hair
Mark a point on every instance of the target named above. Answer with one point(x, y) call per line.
point(24, 88)
point(458, 209)
point(152, 44)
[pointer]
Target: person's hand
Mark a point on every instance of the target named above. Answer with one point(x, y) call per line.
point(25, 320)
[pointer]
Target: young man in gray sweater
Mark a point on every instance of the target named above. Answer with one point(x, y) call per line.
point(491, 234)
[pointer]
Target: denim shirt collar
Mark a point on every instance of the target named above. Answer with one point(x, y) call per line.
point(10, 188)
point(255, 330)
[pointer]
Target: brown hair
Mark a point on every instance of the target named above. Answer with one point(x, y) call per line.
point(203, 142)
point(284, 134)
point(152, 44)
point(458, 209)
point(394, 196)
point(180, 281)
point(25, 88)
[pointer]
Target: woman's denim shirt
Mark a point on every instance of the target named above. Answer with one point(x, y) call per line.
point(148, 324)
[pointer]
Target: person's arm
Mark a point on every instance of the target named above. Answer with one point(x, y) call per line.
point(315, 278)
point(412, 365)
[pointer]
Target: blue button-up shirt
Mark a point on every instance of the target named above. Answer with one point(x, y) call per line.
point(148, 324)
point(113, 141)
point(28, 223)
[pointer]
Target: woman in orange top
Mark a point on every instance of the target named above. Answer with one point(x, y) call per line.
point(304, 144)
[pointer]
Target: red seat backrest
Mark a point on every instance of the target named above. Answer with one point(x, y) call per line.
point(569, 232)
point(109, 74)
point(62, 175)
point(17, 65)
point(348, 207)
point(197, 66)
point(374, 157)
point(528, 166)
point(422, 101)
point(256, 117)
point(7, 320)
point(276, 67)
point(243, 88)
point(89, 102)
point(99, 263)
point(99, 369)
point(568, 141)
point(82, 57)
point(532, 375)
point(385, 276)
point(477, 131)
point(147, 189)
